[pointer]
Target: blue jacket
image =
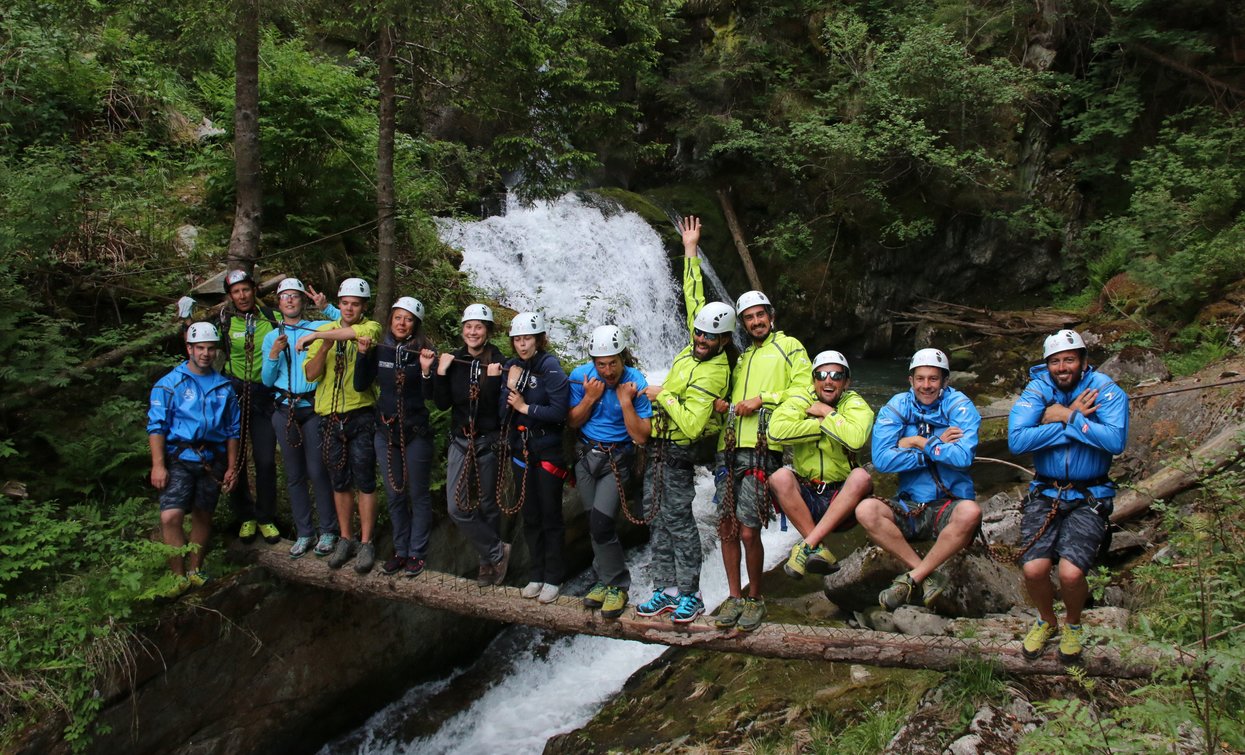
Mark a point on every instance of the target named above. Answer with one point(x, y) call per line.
point(276, 373)
point(195, 410)
point(903, 416)
point(1079, 450)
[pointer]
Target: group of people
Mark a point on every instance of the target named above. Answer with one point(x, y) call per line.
point(338, 395)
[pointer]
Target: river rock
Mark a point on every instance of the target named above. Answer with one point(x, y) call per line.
point(1000, 518)
point(978, 586)
point(1135, 365)
point(914, 620)
point(996, 729)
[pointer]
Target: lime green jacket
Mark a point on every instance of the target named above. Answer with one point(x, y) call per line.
point(821, 447)
point(335, 393)
point(689, 390)
point(776, 370)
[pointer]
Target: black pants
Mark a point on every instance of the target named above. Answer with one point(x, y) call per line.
point(543, 527)
point(262, 441)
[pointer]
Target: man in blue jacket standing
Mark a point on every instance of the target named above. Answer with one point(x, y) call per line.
point(1074, 421)
point(927, 435)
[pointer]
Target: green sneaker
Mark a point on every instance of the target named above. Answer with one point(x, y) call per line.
point(1070, 643)
point(247, 532)
point(752, 615)
point(898, 593)
point(822, 561)
point(271, 534)
point(728, 614)
point(196, 579)
point(797, 563)
point(615, 603)
point(1035, 641)
point(596, 596)
point(175, 590)
point(932, 587)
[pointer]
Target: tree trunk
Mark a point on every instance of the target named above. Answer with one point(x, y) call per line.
point(386, 242)
point(1211, 456)
point(737, 233)
point(248, 207)
point(462, 596)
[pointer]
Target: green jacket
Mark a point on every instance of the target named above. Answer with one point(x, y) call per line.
point(233, 329)
point(691, 386)
point(821, 447)
point(775, 370)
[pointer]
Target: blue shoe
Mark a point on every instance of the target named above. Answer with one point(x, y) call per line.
point(326, 545)
point(302, 546)
point(657, 605)
point(689, 609)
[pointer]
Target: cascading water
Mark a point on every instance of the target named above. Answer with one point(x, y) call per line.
point(581, 267)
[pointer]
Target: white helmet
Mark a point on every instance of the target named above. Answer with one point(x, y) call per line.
point(478, 312)
point(202, 332)
point(527, 324)
point(355, 287)
point(930, 358)
point(234, 277)
point(291, 284)
point(749, 300)
point(607, 340)
point(410, 304)
point(832, 357)
point(715, 317)
point(1063, 340)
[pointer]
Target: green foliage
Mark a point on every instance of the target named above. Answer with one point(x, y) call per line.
point(1197, 347)
point(971, 684)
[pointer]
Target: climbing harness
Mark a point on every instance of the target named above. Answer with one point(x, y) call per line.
point(471, 463)
point(656, 457)
point(337, 396)
point(505, 474)
point(399, 418)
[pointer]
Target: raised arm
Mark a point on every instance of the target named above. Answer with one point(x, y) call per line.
point(693, 284)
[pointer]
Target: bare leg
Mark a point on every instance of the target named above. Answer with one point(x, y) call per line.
point(786, 489)
point(1041, 592)
point(857, 485)
point(171, 528)
point(367, 516)
point(957, 534)
point(879, 523)
point(754, 557)
point(731, 552)
point(1074, 590)
point(344, 502)
point(200, 532)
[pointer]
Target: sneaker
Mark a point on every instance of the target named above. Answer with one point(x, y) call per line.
point(342, 553)
point(174, 591)
point(326, 544)
point(394, 565)
point(615, 603)
point(532, 590)
point(1070, 643)
point(798, 561)
point(596, 596)
point(932, 587)
point(247, 532)
point(689, 609)
point(414, 567)
point(499, 568)
point(728, 614)
point(898, 593)
point(196, 579)
point(302, 546)
point(549, 593)
point(822, 561)
point(485, 576)
point(367, 557)
point(271, 534)
point(752, 615)
point(1035, 641)
point(657, 605)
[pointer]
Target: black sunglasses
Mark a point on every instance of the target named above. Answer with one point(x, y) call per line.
point(835, 375)
point(707, 336)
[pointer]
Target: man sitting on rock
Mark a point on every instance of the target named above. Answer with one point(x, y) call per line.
point(825, 426)
point(1074, 421)
point(927, 435)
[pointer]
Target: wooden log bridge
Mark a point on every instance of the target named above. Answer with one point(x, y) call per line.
point(504, 604)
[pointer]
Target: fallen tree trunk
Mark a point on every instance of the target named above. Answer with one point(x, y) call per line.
point(741, 246)
point(504, 604)
point(1213, 455)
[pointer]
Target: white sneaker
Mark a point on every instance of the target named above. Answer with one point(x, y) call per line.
point(531, 589)
point(549, 593)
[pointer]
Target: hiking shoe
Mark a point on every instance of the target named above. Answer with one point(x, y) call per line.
point(615, 602)
point(367, 557)
point(752, 615)
point(596, 596)
point(394, 565)
point(247, 532)
point(898, 593)
point(728, 614)
point(549, 593)
point(414, 567)
point(174, 591)
point(1070, 643)
point(326, 544)
point(1035, 641)
point(797, 563)
point(689, 609)
point(302, 546)
point(822, 561)
point(341, 554)
point(196, 579)
point(499, 568)
point(532, 590)
point(271, 534)
point(657, 605)
point(933, 586)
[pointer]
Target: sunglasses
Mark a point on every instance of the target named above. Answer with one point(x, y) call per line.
point(831, 375)
point(707, 336)
point(289, 295)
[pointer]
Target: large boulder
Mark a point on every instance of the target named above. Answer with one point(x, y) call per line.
point(1133, 365)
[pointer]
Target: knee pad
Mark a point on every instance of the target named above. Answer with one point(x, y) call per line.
point(601, 527)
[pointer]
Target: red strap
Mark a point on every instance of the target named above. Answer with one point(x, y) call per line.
point(943, 508)
point(556, 471)
point(757, 473)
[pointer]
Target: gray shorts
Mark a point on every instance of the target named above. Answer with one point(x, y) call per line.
point(922, 521)
point(751, 472)
point(191, 487)
point(1074, 534)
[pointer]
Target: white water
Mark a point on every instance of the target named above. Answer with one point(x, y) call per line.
point(581, 269)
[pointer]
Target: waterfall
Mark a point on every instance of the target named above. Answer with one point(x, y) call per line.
point(581, 267)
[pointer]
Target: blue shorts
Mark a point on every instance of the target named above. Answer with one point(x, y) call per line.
point(1075, 534)
point(191, 486)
